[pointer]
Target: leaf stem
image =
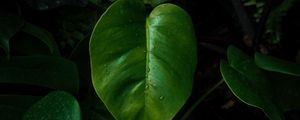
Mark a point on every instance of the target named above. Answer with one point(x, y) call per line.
point(187, 114)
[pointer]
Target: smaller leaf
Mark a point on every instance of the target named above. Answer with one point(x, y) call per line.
point(250, 91)
point(42, 35)
point(275, 93)
point(56, 105)
point(249, 83)
point(270, 63)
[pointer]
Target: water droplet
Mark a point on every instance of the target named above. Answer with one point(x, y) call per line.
point(145, 51)
point(161, 97)
point(147, 86)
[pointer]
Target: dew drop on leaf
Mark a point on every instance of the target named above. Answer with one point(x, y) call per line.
point(161, 97)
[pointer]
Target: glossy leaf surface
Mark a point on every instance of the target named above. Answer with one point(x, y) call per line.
point(56, 105)
point(50, 72)
point(143, 68)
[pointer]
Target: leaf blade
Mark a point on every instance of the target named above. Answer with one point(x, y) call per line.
point(277, 65)
point(125, 63)
point(250, 84)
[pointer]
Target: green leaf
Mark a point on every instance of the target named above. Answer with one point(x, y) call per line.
point(9, 26)
point(249, 83)
point(56, 105)
point(285, 78)
point(42, 35)
point(274, 92)
point(277, 65)
point(143, 68)
point(51, 72)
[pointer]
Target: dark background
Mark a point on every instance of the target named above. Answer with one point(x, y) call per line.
point(216, 23)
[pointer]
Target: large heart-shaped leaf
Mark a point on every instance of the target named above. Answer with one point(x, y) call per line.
point(51, 72)
point(143, 68)
point(56, 105)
